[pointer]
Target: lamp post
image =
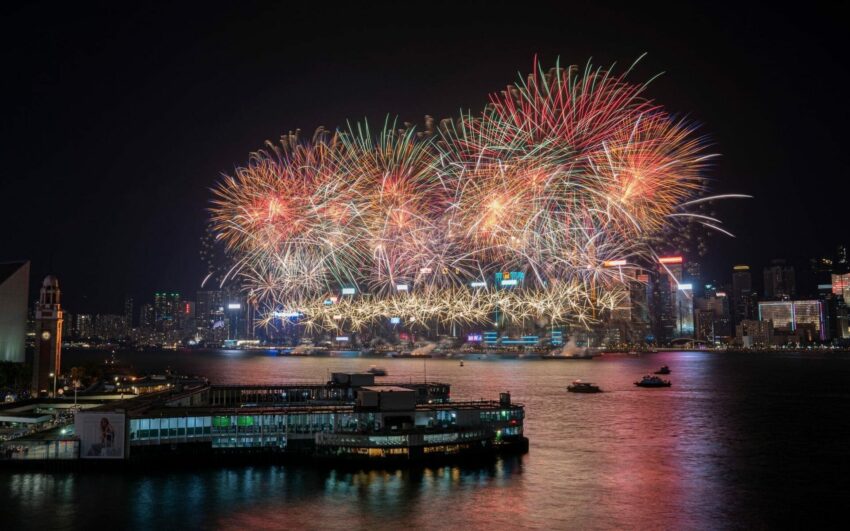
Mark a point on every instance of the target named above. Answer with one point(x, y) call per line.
point(53, 375)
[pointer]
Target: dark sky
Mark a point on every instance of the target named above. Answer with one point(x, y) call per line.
point(120, 117)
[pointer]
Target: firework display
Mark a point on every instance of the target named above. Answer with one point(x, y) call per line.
point(564, 173)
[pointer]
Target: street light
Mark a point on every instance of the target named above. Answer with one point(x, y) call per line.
point(53, 375)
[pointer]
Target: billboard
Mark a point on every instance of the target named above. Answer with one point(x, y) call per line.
point(101, 434)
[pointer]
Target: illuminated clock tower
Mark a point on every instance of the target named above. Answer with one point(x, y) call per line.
point(47, 359)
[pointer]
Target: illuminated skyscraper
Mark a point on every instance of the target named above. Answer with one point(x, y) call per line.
point(684, 310)
point(838, 300)
point(841, 286)
point(672, 301)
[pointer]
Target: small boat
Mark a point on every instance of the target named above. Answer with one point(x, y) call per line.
point(461, 363)
point(663, 370)
point(653, 381)
point(583, 387)
point(377, 371)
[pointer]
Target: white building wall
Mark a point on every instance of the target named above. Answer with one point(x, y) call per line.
point(14, 292)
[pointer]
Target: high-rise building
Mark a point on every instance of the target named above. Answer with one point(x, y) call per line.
point(742, 303)
point(779, 281)
point(186, 316)
point(128, 313)
point(840, 320)
point(85, 326)
point(684, 310)
point(14, 292)
point(661, 307)
point(209, 308)
point(639, 297)
point(210, 315)
point(672, 301)
point(712, 317)
point(841, 286)
point(69, 327)
point(238, 314)
point(166, 307)
point(47, 358)
point(147, 317)
point(693, 276)
point(810, 280)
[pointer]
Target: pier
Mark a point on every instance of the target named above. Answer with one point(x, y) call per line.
point(349, 418)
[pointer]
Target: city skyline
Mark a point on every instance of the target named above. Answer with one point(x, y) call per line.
point(668, 304)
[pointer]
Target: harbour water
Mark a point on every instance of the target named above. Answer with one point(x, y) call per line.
point(739, 441)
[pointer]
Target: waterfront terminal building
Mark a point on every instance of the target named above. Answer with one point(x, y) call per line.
point(348, 418)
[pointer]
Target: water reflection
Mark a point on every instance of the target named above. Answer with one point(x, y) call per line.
point(749, 441)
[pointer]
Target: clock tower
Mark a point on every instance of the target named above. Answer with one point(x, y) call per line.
point(47, 358)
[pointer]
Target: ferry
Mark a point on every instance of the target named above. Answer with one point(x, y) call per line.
point(653, 381)
point(663, 370)
point(583, 387)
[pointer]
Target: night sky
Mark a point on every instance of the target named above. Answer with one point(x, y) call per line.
point(119, 118)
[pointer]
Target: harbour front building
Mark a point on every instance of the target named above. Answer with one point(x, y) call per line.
point(349, 418)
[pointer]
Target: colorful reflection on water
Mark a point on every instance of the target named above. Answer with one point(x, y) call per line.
point(738, 441)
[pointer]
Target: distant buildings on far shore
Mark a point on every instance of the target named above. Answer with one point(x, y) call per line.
point(668, 303)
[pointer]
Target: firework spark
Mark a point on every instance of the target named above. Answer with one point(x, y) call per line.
point(563, 172)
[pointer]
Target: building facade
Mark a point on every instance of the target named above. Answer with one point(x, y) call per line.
point(743, 297)
point(14, 292)
point(804, 317)
point(47, 358)
point(749, 333)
